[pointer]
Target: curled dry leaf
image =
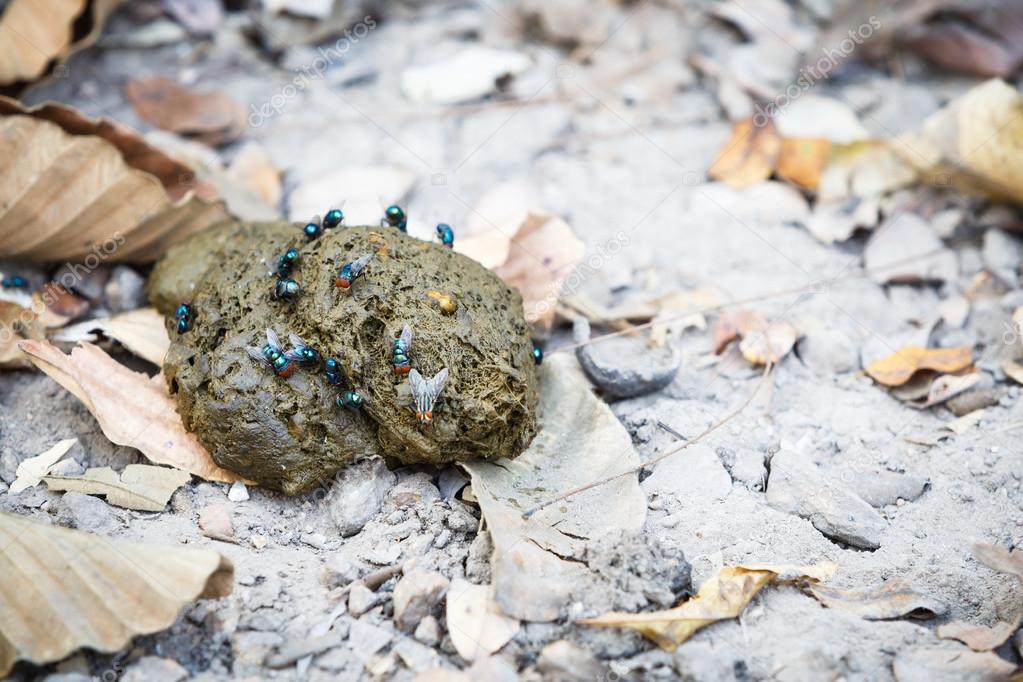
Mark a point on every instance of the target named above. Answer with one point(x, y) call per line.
point(983, 637)
point(892, 599)
point(760, 339)
point(91, 187)
point(754, 152)
point(32, 470)
point(66, 590)
point(105, 387)
point(579, 440)
point(897, 368)
point(36, 36)
point(475, 621)
point(723, 596)
point(947, 386)
point(141, 331)
point(139, 486)
point(211, 117)
point(972, 143)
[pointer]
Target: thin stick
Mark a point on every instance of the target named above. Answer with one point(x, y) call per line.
point(661, 457)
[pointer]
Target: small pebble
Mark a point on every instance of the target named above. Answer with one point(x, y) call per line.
point(238, 492)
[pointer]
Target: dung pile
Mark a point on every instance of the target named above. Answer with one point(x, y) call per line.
point(288, 433)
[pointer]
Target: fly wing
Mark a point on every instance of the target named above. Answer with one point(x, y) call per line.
point(406, 338)
point(257, 355)
point(271, 338)
point(420, 391)
point(436, 384)
point(358, 265)
point(294, 355)
point(297, 342)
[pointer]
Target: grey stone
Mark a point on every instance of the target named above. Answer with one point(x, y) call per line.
point(125, 290)
point(568, 662)
point(67, 467)
point(896, 249)
point(477, 563)
point(416, 657)
point(415, 595)
point(1001, 253)
point(428, 631)
point(797, 486)
point(827, 352)
point(695, 472)
point(8, 465)
point(359, 492)
point(154, 669)
point(749, 468)
point(417, 489)
point(366, 639)
point(492, 669)
point(238, 492)
point(361, 599)
point(882, 487)
point(625, 367)
point(85, 512)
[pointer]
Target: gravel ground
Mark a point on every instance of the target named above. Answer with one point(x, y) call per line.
point(622, 158)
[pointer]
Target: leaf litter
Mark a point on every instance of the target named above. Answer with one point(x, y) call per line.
point(139, 486)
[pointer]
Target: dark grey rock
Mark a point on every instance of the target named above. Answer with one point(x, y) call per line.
point(625, 367)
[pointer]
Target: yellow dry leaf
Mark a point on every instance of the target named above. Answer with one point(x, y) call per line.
point(897, 368)
point(140, 486)
point(802, 161)
point(66, 590)
point(973, 143)
point(723, 596)
point(131, 408)
point(749, 156)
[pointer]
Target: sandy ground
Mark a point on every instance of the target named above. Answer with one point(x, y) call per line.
point(622, 162)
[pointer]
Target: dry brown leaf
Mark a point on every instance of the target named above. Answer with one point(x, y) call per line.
point(36, 36)
point(749, 156)
point(760, 339)
point(947, 386)
point(211, 117)
point(91, 189)
point(141, 331)
point(1013, 370)
point(253, 169)
point(973, 143)
point(32, 470)
point(475, 621)
point(897, 368)
point(984, 40)
point(982, 637)
point(892, 599)
point(16, 325)
point(802, 161)
point(543, 254)
point(723, 596)
point(139, 486)
point(66, 590)
point(107, 388)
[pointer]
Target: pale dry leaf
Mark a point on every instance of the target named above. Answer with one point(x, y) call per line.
point(37, 36)
point(106, 387)
point(211, 117)
point(867, 169)
point(252, 168)
point(469, 74)
point(141, 331)
point(543, 254)
point(579, 440)
point(947, 386)
point(67, 590)
point(760, 339)
point(139, 486)
point(494, 221)
point(1013, 370)
point(897, 368)
point(973, 142)
point(475, 621)
point(16, 325)
point(961, 425)
point(86, 186)
point(892, 599)
point(723, 596)
point(32, 470)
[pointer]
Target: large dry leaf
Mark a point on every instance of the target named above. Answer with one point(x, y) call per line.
point(32, 470)
point(973, 143)
point(212, 117)
point(139, 486)
point(64, 590)
point(579, 440)
point(897, 368)
point(131, 408)
point(543, 254)
point(983, 637)
point(141, 331)
point(475, 621)
point(78, 187)
point(723, 596)
point(985, 39)
point(36, 36)
point(892, 599)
